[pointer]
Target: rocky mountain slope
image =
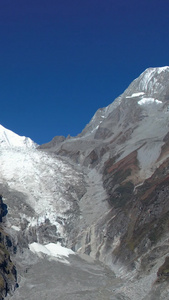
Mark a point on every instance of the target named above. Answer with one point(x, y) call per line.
point(126, 144)
point(103, 194)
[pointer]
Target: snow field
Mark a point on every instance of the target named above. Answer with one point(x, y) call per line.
point(52, 250)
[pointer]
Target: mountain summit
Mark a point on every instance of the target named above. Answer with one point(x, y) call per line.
point(102, 195)
point(10, 139)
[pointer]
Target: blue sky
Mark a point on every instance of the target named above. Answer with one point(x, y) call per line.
point(61, 60)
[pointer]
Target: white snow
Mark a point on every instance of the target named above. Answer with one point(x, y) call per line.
point(161, 69)
point(10, 139)
point(146, 78)
point(158, 101)
point(16, 228)
point(58, 250)
point(52, 250)
point(36, 248)
point(136, 95)
point(149, 81)
point(148, 101)
point(95, 128)
point(47, 183)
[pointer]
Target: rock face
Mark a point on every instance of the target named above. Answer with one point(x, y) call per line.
point(103, 194)
point(7, 269)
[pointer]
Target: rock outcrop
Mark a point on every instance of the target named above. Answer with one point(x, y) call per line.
point(8, 275)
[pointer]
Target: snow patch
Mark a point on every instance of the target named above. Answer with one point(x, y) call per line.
point(52, 250)
point(16, 228)
point(148, 101)
point(158, 101)
point(58, 250)
point(95, 128)
point(136, 95)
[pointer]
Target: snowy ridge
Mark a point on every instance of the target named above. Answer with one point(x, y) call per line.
point(9, 139)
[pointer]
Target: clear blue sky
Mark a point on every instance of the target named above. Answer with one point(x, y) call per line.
point(61, 60)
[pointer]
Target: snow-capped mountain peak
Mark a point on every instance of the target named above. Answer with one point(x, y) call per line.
point(9, 139)
point(152, 82)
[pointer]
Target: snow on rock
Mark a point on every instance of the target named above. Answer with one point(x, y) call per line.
point(148, 101)
point(149, 80)
point(136, 95)
point(146, 78)
point(10, 139)
point(95, 128)
point(52, 250)
point(162, 69)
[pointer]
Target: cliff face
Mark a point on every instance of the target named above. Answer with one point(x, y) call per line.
point(8, 275)
point(144, 211)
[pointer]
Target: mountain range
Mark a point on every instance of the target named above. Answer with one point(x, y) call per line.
point(87, 217)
